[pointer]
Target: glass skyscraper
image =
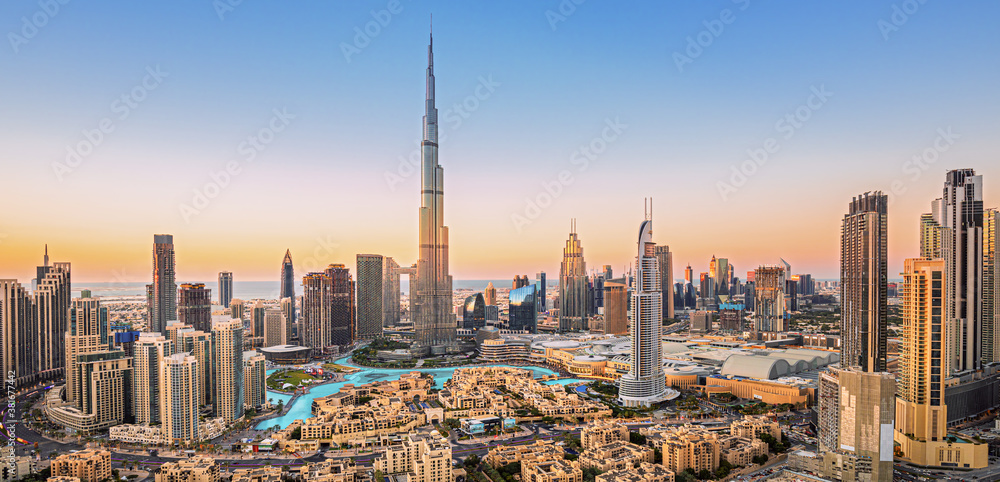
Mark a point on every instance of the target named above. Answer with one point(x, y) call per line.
point(523, 309)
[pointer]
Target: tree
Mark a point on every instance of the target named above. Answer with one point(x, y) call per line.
point(471, 461)
point(637, 438)
point(704, 474)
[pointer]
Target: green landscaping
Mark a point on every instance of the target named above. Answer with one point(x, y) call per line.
point(297, 378)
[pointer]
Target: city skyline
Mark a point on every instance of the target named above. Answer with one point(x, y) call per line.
point(950, 126)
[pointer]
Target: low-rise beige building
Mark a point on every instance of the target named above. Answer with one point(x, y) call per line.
point(618, 455)
point(602, 433)
point(552, 470)
point(539, 451)
point(740, 451)
point(257, 474)
point(195, 469)
point(423, 458)
point(329, 471)
point(645, 472)
point(754, 426)
point(685, 447)
point(87, 465)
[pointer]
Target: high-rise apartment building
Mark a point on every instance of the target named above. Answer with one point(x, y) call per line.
point(179, 409)
point(921, 412)
point(666, 260)
point(163, 291)
point(523, 309)
point(317, 302)
point(391, 293)
point(225, 288)
point(688, 274)
point(227, 369)
point(769, 298)
point(991, 283)
point(89, 331)
point(573, 299)
point(343, 310)
point(257, 314)
point(864, 283)
point(51, 302)
point(149, 352)
point(721, 275)
point(645, 383)
point(277, 330)
point(254, 380)
point(19, 337)
point(957, 218)
point(194, 306)
point(371, 296)
point(615, 308)
point(288, 309)
point(237, 308)
point(104, 387)
point(199, 345)
point(434, 322)
point(856, 429)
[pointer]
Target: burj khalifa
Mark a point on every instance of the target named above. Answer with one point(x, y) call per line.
point(434, 324)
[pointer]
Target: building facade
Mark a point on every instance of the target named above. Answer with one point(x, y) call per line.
point(769, 299)
point(523, 309)
point(194, 306)
point(864, 283)
point(573, 293)
point(179, 409)
point(162, 292)
point(370, 297)
point(149, 351)
point(225, 288)
point(227, 369)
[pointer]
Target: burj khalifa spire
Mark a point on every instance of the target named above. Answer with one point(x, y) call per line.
point(434, 319)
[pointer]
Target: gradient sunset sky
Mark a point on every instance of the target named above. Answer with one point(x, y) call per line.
point(329, 185)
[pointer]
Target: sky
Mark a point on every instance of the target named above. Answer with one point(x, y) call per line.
point(248, 128)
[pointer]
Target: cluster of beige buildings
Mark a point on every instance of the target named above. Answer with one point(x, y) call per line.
point(342, 418)
point(550, 400)
point(694, 447)
point(145, 434)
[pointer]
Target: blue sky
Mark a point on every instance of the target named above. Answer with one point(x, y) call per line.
point(556, 83)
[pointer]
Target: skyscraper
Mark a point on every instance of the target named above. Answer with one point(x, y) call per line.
point(288, 310)
point(645, 383)
point(573, 285)
point(163, 291)
point(277, 330)
point(864, 283)
point(721, 276)
point(615, 308)
point(474, 312)
point(227, 368)
point(343, 310)
point(958, 217)
point(769, 298)
point(199, 345)
point(287, 280)
point(254, 379)
point(688, 274)
point(490, 295)
point(225, 288)
point(991, 284)
point(194, 306)
point(51, 302)
point(89, 331)
point(317, 301)
point(237, 308)
point(921, 412)
point(149, 352)
point(178, 406)
point(390, 295)
point(540, 281)
point(666, 260)
point(857, 436)
point(523, 312)
point(371, 294)
point(257, 319)
point(434, 323)
point(19, 336)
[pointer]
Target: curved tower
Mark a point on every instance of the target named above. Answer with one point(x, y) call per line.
point(645, 383)
point(434, 324)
